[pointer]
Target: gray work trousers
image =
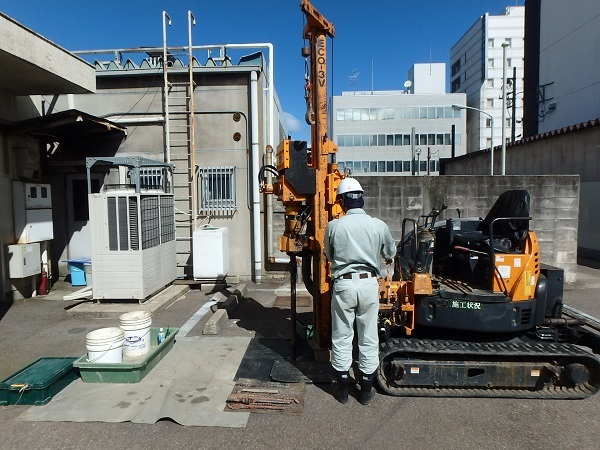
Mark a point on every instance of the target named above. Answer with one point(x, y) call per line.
point(355, 299)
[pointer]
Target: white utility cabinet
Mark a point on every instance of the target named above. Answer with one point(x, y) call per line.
point(24, 260)
point(211, 253)
point(32, 204)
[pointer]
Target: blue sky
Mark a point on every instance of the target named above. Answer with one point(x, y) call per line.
point(388, 35)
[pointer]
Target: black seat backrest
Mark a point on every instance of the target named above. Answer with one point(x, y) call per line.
point(513, 203)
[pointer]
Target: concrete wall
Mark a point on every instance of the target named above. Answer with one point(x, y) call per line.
point(217, 97)
point(554, 206)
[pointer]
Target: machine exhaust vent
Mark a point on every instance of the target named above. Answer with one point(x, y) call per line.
point(525, 316)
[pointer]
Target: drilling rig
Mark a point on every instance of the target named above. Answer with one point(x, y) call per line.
point(471, 310)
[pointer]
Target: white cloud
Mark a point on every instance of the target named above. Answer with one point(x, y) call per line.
point(291, 123)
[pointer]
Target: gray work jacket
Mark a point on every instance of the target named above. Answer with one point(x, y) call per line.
point(356, 241)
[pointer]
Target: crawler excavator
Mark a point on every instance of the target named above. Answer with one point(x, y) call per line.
point(470, 309)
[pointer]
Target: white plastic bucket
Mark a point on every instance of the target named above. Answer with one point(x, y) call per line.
point(136, 325)
point(105, 345)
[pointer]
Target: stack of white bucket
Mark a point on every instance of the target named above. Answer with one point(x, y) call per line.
point(131, 339)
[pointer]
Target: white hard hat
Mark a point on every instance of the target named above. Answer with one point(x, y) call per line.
point(349, 185)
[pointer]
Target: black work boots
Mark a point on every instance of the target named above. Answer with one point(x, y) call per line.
point(343, 381)
point(366, 393)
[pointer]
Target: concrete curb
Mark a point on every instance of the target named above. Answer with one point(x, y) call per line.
point(114, 310)
point(227, 301)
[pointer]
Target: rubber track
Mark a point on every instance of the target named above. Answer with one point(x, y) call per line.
point(495, 351)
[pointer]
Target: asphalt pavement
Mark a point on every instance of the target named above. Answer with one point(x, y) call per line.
point(39, 327)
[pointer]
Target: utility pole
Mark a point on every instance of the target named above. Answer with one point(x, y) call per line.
point(428, 160)
point(514, 106)
point(503, 128)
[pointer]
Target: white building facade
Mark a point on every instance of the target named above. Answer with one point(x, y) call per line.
point(393, 133)
point(477, 68)
point(569, 71)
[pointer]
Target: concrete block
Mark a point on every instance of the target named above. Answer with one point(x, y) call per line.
point(228, 304)
point(216, 322)
point(240, 291)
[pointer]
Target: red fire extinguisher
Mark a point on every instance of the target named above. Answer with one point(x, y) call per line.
point(43, 289)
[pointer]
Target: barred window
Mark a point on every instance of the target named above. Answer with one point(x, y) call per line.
point(216, 190)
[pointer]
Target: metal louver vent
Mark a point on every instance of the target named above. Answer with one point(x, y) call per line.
point(133, 224)
point(123, 228)
point(111, 206)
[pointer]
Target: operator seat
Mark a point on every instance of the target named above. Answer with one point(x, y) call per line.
point(472, 250)
point(507, 235)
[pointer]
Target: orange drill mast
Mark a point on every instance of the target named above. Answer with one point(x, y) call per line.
point(307, 180)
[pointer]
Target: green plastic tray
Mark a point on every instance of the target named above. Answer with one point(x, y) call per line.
point(131, 370)
point(37, 383)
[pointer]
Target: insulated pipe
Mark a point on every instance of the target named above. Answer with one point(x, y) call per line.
point(165, 88)
point(255, 187)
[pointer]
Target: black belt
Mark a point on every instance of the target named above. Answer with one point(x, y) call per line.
point(349, 276)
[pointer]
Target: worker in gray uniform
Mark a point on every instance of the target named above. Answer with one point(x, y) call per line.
point(354, 244)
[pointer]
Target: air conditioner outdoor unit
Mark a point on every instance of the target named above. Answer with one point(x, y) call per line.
point(133, 243)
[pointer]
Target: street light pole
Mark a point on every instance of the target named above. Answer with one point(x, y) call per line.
point(503, 126)
point(457, 107)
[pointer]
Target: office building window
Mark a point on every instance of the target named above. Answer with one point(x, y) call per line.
point(431, 139)
point(397, 139)
point(456, 85)
point(390, 139)
point(381, 140)
point(490, 43)
point(456, 67)
point(389, 166)
point(406, 139)
point(373, 166)
point(508, 41)
point(439, 139)
point(447, 140)
point(397, 166)
point(491, 63)
point(380, 166)
point(488, 123)
point(490, 102)
point(490, 83)
point(405, 166)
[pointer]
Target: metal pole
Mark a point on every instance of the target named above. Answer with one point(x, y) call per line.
point(513, 133)
point(491, 144)
point(428, 159)
point(503, 126)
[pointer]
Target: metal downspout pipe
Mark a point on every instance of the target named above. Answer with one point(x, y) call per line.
point(255, 187)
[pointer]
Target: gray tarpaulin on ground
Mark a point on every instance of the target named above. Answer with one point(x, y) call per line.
point(190, 386)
